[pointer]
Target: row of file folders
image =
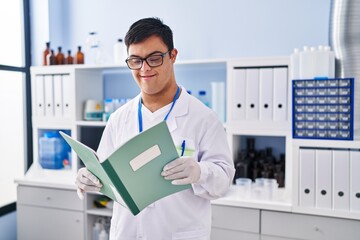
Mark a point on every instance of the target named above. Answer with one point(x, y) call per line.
point(329, 179)
point(260, 93)
point(52, 94)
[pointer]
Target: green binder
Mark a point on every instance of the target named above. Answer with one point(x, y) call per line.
point(131, 174)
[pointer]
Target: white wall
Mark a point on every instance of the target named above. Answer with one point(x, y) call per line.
point(202, 29)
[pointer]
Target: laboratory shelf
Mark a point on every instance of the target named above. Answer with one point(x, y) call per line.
point(91, 123)
point(100, 212)
point(234, 198)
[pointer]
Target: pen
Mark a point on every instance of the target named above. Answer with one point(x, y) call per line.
point(182, 148)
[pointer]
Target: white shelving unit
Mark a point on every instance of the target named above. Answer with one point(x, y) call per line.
point(83, 82)
point(69, 86)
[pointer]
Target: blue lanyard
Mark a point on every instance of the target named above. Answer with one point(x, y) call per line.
point(140, 106)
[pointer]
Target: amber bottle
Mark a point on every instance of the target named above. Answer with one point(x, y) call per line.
point(46, 53)
point(60, 58)
point(69, 59)
point(80, 58)
point(50, 58)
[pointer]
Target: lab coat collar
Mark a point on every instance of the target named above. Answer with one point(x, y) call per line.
point(181, 108)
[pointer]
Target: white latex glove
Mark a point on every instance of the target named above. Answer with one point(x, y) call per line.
point(183, 170)
point(86, 181)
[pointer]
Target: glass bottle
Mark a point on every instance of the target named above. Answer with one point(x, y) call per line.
point(50, 58)
point(80, 58)
point(59, 58)
point(46, 53)
point(250, 155)
point(69, 59)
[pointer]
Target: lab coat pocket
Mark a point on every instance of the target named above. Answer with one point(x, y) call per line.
point(185, 146)
point(199, 234)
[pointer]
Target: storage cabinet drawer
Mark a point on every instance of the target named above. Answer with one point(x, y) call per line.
point(47, 223)
point(236, 218)
point(308, 227)
point(48, 197)
point(225, 234)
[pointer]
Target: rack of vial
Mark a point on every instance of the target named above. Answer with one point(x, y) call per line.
point(323, 108)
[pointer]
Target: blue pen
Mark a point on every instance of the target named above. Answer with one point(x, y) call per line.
point(182, 148)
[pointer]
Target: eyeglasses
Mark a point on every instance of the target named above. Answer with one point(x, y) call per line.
point(155, 60)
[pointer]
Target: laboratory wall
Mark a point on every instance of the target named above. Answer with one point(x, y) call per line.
point(203, 29)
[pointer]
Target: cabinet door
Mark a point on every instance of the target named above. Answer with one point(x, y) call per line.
point(36, 223)
point(300, 226)
point(236, 218)
point(222, 234)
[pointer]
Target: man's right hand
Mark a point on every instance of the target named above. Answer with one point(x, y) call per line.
point(86, 181)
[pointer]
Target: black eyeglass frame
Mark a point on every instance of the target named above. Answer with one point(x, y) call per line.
point(145, 59)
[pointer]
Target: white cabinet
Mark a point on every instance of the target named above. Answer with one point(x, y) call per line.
point(58, 97)
point(48, 213)
point(299, 226)
point(235, 223)
point(258, 90)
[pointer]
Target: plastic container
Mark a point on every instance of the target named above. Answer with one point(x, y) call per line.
point(53, 151)
point(120, 53)
point(244, 185)
point(96, 230)
point(203, 97)
point(295, 62)
point(103, 235)
point(218, 99)
point(307, 63)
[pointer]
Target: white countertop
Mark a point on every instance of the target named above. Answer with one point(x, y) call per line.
point(65, 179)
point(234, 197)
point(36, 176)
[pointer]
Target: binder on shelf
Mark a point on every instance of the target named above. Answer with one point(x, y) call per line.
point(280, 93)
point(58, 96)
point(67, 96)
point(131, 174)
point(252, 94)
point(323, 179)
point(354, 181)
point(49, 95)
point(341, 180)
point(266, 94)
point(238, 94)
point(307, 178)
point(39, 96)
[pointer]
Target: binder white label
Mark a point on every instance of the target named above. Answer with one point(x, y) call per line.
point(323, 179)
point(307, 178)
point(145, 157)
point(58, 92)
point(280, 94)
point(354, 181)
point(238, 94)
point(341, 180)
point(252, 94)
point(266, 94)
point(39, 95)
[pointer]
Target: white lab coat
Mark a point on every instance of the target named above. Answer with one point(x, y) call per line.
point(186, 214)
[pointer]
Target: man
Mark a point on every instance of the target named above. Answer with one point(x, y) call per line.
point(208, 166)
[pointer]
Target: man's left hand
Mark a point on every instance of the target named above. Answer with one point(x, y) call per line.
point(184, 170)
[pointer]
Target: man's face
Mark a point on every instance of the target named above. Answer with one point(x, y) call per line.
point(153, 80)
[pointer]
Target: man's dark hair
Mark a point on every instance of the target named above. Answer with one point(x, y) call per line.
point(147, 27)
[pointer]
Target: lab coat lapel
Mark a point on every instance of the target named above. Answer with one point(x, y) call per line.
point(181, 108)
